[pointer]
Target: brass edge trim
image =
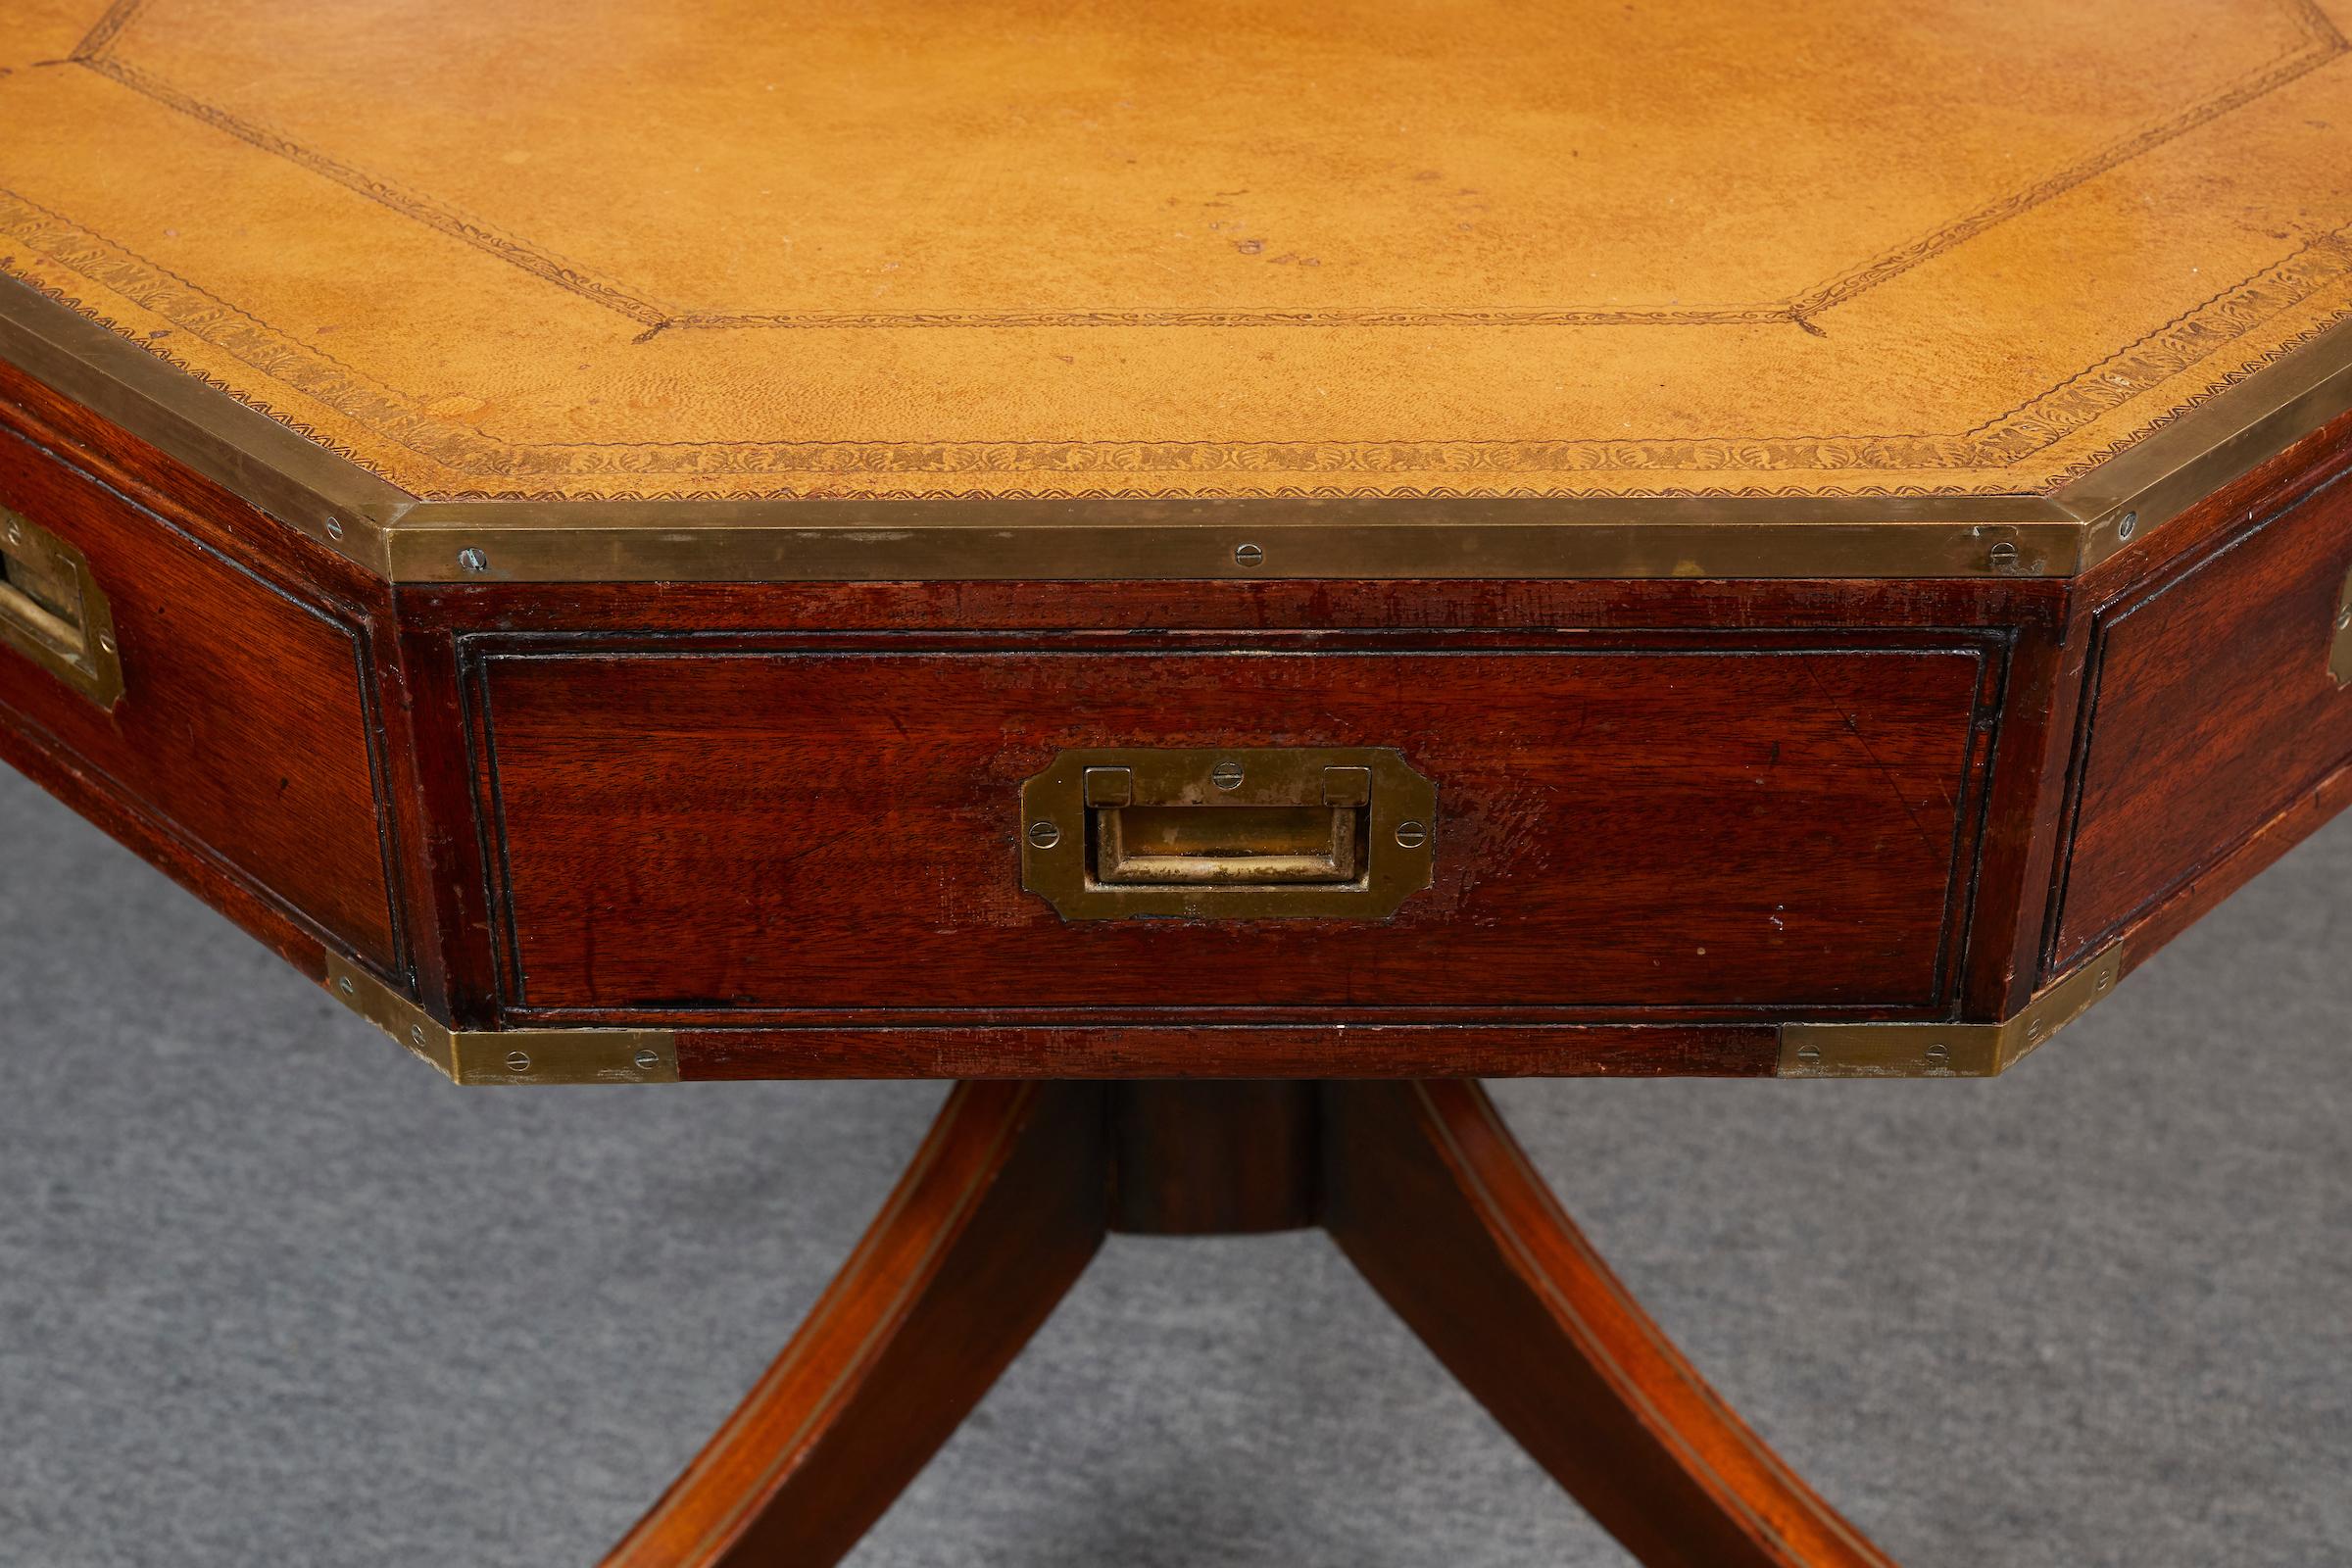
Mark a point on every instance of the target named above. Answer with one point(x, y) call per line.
point(328, 496)
point(2179, 464)
point(1946, 1050)
point(1237, 539)
point(507, 1056)
point(384, 529)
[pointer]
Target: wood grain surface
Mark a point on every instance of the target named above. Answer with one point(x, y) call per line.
point(1433, 1201)
point(247, 725)
point(1713, 823)
point(2211, 708)
point(1000, 1211)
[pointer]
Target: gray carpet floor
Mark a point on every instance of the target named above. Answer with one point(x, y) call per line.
point(270, 1293)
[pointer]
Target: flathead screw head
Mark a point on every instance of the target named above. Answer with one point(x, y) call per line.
point(472, 559)
point(1939, 1054)
point(2126, 525)
point(1044, 835)
point(2002, 556)
point(646, 1059)
point(416, 1034)
point(1412, 835)
point(334, 528)
point(517, 1062)
point(1810, 1056)
point(1226, 775)
point(2343, 619)
point(1248, 556)
point(106, 641)
point(344, 985)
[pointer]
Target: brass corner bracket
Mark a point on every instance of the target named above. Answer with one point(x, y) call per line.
point(1946, 1050)
point(507, 1056)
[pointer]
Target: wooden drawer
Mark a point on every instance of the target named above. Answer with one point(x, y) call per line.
point(243, 728)
point(2209, 708)
point(696, 825)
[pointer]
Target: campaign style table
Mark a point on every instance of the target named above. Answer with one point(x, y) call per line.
point(1215, 574)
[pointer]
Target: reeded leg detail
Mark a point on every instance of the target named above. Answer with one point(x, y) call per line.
point(1429, 1196)
point(1003, 1207)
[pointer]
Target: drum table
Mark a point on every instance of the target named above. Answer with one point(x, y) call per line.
point(1215, 573)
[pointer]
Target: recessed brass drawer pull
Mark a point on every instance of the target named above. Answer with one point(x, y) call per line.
point(53, 612)
point(2339, 646)
point(1336, 833)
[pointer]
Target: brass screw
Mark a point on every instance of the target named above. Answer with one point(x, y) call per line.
point(1248, 556)
point(1044, 835)
point(334, 528)
point(645, 1060)
point(473, 559)
point(344, 985)
point(2126, 525)
point(2002, 556)
point(1226, 775)
point(416, 1034)
point(1939, 1054)
point(1810, 1056)
point(2343, 619)
point(1412, 835)
point(517, 1061)
point(106, 641)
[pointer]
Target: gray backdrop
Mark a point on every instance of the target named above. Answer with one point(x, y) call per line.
point(270, 1293)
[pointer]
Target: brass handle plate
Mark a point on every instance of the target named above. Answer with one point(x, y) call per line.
point(53, 612)
point(2339, 644)
point(1343, 833)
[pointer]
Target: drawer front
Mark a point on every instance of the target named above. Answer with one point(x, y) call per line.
point(2211, 708)
point(242, 723)
point(702, 828)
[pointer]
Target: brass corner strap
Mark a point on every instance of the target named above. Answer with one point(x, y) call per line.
point(507, 1057)
point(1946, 1050)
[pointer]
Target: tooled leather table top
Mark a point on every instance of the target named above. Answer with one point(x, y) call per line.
point(686, 248)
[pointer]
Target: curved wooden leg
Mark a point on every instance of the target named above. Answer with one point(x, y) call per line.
point(1431, 1197)
point(999, 1214)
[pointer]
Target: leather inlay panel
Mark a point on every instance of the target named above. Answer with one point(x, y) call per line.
point(1012, 250)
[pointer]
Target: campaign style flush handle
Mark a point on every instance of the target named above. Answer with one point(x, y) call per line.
point(53, 612)
point(1234, 834)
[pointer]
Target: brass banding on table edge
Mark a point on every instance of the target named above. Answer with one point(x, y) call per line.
point(394, 535)
point(507, 1056)
point(1946, 1050)
point(1900, 1050)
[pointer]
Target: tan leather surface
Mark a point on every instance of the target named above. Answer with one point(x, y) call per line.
point(1000, 247)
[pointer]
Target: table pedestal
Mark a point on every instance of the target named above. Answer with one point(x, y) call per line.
point(1421, 1184)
